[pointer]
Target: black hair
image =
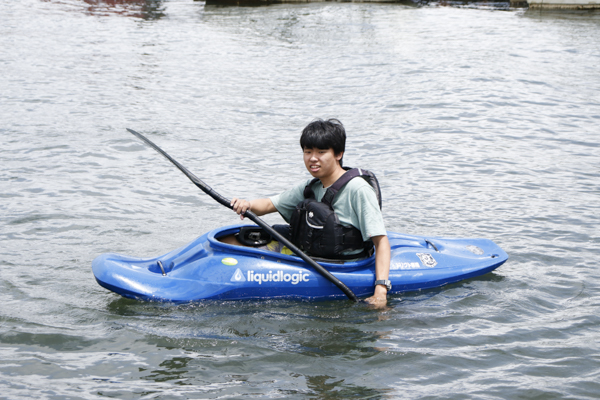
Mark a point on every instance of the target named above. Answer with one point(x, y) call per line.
point(324, 135)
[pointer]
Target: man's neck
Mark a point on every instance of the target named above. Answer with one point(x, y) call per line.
point(329, 180)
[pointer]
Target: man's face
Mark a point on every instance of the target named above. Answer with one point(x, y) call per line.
point(321, 162)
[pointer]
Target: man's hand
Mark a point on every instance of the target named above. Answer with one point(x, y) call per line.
point(240, 206)
point(379, 298)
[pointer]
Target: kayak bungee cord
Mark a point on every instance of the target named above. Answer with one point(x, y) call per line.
point(253, 217)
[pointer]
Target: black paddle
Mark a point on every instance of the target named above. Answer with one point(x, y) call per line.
point(253, 217)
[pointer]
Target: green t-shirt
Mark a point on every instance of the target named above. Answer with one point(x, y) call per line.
point(355, 205)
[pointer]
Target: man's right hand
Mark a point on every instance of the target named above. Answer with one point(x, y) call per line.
point(240, 206)
point(257, 206)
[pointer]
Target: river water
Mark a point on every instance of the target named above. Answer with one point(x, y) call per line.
point(479, 122)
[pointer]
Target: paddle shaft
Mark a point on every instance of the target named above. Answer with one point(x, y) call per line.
point(253, 217)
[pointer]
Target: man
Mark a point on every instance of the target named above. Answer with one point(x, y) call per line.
point(355, 204)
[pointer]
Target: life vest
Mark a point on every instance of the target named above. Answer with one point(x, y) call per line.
point(316, 229)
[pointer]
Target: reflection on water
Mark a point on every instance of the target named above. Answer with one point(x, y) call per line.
point(229, 342)
point(480, 4)
point(145, 9)
point(280, 325)
point(331, 387)
point(581, 16)
point(477, 4)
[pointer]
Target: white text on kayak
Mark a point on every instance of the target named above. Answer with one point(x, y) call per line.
point(278, 276)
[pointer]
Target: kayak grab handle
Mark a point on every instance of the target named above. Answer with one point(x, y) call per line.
point(161, 268)
point(429, 242)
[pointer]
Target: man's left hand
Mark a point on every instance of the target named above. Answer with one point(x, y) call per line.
point(379, 298)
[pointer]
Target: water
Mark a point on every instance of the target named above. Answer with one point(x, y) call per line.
point(479, 123)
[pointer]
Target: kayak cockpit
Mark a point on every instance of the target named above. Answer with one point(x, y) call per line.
point(220, 241)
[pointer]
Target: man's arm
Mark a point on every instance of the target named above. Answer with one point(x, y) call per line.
point(257, 206)
point(382, 270)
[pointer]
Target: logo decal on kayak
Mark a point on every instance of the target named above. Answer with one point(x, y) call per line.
point(427, 259)
point(238, 276)
point(229, 261)
point(278, 276)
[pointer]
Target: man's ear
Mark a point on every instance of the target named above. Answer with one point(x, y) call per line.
point(338, 157)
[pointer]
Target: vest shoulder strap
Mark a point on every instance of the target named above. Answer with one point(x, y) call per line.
point(308, 192)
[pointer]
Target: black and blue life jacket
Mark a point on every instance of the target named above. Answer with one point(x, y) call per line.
point(316, 229)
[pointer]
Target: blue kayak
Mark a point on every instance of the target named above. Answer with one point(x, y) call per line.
point(209, 269)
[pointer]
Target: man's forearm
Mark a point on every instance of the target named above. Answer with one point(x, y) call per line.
point(262, 206)
point(382, 257)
